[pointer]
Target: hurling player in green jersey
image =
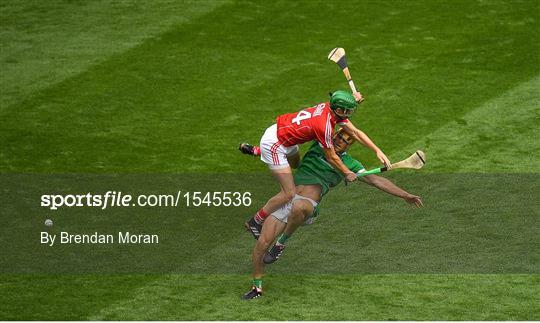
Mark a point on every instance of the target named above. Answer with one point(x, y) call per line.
point(313, 179)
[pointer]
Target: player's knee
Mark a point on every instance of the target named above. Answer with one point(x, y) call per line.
point(298, 212)
point(303, 209)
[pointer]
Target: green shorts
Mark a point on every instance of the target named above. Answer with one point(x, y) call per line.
point(302, 177)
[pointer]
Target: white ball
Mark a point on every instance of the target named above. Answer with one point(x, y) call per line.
point(48, 222)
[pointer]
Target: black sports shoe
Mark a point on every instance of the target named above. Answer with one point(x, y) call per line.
point(248, 149)
point(253, 293)
point(254, 228)
point(273, 254)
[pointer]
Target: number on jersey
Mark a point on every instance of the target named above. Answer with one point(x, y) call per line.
point(302, 115)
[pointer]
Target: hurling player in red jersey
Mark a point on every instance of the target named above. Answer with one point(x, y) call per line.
point(279, 146)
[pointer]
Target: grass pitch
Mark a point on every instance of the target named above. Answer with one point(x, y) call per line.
point(172, 87)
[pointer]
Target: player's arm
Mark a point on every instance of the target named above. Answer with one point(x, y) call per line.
point(336, 162)
point(361, 137)
point(387, 186)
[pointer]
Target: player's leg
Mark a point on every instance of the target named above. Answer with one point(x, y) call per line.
point(301, 210)
point(271, 229)
point(287, 192)
point(285, 195)
point(283, 174)
point(274, 154)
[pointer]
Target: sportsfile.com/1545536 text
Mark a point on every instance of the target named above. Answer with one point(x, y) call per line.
point(119, 199)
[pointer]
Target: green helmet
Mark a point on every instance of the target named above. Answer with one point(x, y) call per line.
point(342, 99)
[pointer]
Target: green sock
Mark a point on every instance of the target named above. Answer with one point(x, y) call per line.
point(283, 238)
point(257, 282)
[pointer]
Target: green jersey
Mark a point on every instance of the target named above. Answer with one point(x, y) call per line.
point(315, 169)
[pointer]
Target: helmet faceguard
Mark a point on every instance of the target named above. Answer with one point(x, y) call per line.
point(344, 113)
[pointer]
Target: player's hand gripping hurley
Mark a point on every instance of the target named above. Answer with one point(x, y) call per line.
point(337, 55)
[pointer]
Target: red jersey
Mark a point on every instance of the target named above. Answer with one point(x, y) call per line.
point(315, 123)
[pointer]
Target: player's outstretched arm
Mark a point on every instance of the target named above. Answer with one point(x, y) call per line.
point(361, 137)
point(387, 186)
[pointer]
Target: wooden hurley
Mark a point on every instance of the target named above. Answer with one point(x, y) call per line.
point(337, 55)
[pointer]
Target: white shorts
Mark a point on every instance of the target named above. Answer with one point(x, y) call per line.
point(283, 213)
point(273, 153)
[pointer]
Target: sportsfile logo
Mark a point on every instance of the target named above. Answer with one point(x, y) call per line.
point(119, 199)
point(109, 199)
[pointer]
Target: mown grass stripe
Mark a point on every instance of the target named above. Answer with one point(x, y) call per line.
point(498, 136)
point(350, 297)
point(46, 43)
